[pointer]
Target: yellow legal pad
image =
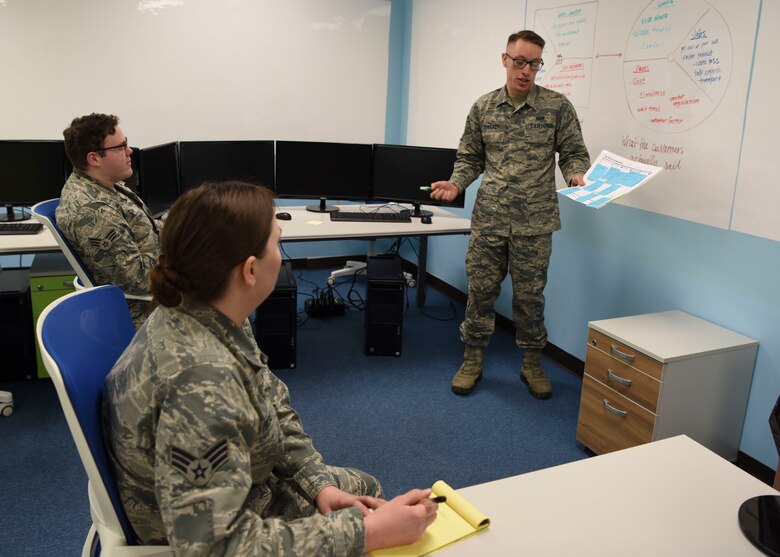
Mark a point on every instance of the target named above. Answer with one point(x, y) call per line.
point(455, 520)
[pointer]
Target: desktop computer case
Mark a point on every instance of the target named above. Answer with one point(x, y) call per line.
point(275, 321)
point(16, 328)
point(384, 305)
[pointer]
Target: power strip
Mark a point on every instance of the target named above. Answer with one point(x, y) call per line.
point(324, 306)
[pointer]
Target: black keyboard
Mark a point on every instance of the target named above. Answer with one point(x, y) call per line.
point(20, 227)
point(374, 216)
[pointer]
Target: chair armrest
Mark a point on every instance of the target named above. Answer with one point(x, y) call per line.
point(143, 298)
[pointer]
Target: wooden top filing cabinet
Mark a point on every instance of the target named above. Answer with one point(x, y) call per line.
point(653, 376)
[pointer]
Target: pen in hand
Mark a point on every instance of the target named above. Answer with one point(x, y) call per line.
point(439, 499)
point(425, 188)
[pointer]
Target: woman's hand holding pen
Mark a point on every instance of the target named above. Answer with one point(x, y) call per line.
point(400, 521)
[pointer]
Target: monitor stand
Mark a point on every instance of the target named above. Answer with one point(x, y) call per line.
point(14, 215)
point(322, 207)
point(417, 212)
point(759, 520)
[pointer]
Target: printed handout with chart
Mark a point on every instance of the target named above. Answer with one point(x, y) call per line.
point(611, 176)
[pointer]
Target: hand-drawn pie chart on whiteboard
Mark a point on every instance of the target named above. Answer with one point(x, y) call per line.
point(677, 64)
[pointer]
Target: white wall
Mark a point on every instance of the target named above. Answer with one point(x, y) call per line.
point(196, 69)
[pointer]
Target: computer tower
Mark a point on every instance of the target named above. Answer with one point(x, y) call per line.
point(275, 321)
point(384, 305)
point(17, 351)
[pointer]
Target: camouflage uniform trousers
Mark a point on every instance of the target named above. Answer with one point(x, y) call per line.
point(287, 503)
point(487, 260)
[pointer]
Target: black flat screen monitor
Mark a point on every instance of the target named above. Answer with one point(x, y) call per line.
point(30, 172)
point(160, 176)
point(401, 170)
point(217, 161)
point(311, 170)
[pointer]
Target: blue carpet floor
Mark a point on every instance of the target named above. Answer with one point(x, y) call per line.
point(397, 418)
point(394, 417)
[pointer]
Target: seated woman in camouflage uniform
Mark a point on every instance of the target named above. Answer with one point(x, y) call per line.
point(208, 453)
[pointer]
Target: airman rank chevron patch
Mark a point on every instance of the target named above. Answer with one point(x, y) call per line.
point(199, 469)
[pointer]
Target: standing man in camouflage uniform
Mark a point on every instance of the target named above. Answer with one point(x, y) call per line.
point(512, 135)
point(106, 223)
point(209, 455)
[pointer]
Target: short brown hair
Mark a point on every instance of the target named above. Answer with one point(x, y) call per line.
point(209, 230)
point(86, 134)
point(527, 36)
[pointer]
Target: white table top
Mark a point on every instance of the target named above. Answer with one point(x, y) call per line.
point(43, 241)
point(671, 497)
point(669, 336)
point(306, 225)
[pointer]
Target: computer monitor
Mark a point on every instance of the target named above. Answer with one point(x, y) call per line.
point(399, 171)
point(217, 161)
point(160, 176)
point(310, 170)
point(30, 172)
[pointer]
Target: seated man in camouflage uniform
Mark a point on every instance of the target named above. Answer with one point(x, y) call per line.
point(106, 223)
point(208, 453)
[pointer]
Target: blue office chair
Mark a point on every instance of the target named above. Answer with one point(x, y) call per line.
point(44, 212)
point(81, 336)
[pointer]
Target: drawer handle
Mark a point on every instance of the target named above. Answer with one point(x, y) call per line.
point(619, 354)
point(608, 406)
point(621, 380)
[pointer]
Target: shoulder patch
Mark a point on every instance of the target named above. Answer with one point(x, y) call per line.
point(105, 242)
point(199, 469)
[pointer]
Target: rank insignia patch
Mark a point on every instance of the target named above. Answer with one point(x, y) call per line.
point(104, 243)
point(199, 469)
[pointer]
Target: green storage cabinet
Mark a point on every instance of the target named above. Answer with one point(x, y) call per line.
point(51, 277)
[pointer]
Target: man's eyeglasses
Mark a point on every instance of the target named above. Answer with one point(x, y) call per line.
point(122, 146)
point(519, 63)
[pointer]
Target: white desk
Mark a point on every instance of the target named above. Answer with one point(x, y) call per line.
point(43, 241)
point(307, 226)
point(667, 498)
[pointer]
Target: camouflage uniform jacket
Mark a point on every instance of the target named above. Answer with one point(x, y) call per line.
point(113, 233)
point(516, 151)
point(200, 431)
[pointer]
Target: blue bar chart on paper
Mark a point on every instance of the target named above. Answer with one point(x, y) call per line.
point(610, 177)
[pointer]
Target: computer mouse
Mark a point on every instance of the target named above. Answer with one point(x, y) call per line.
point(425, 219)
point(284, 216)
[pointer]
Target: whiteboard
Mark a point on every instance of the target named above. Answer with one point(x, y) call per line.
point(456, 58)
point(663, 82)
point(757, 197)
point(196, 69)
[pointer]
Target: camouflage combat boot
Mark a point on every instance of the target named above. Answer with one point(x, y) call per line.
point(533, 375)
point(469, 372)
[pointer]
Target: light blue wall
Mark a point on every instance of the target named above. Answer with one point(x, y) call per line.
point(620, 261)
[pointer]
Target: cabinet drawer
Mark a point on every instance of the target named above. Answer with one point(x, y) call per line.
point(621, 377)
point(603, 430)
point(625, 354)
point(45, 284)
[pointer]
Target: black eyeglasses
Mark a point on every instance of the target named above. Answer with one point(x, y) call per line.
point(122, 146)
point(519, 63)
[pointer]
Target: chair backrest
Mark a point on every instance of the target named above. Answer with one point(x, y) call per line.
point(44, 212)
point(81, 336)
